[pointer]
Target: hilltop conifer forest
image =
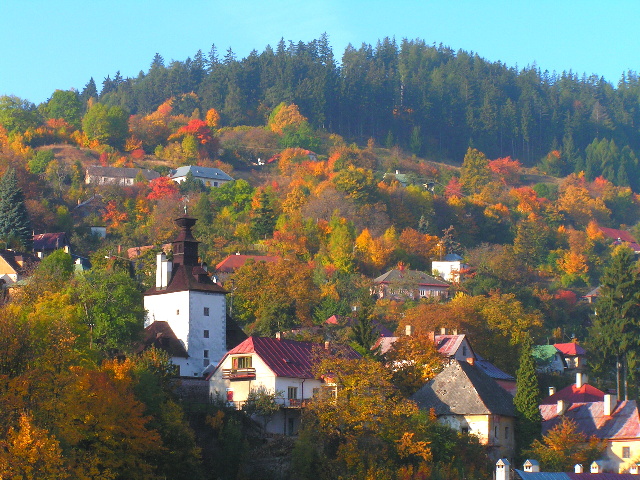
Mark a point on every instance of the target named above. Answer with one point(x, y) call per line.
point(391, 155)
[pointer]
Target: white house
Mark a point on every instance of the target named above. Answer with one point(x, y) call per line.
point(278, 365)
point(191, 304)
point(211, 177)
point(448, 268)
point(97, 175)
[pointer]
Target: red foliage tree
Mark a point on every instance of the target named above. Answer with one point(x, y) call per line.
point(162, 187)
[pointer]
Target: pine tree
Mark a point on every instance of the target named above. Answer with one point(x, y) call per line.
point(527, 399)
point(14, 218)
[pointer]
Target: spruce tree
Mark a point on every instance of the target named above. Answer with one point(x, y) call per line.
point(14, 218)
point(527, 399)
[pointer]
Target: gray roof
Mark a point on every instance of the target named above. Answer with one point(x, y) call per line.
point(411, 276)
point(464, 389)
point(202, 172)
point(121, 172)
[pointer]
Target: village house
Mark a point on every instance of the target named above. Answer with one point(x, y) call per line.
point(601, 415)
point(46, 243)
point(14, 267)
point(210, 177)
point(402, 283)
point(531, 471)
point(275, 364)
point(619, 237)
point(229, 265)
point(575, 357)
point(97, 175)
point(448, 268)
point(466, 399)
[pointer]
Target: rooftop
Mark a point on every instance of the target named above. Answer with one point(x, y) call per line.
point(201, 172)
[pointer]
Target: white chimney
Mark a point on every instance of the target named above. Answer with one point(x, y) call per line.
point(579, 380)
point(455, 331)
point(443, 331)
point(159, 259)
point(408, 330)
point(278, 335)
point(531, 466)
point(610, 403)
point(596, 467)
point(578, 468)
point(167, 267)
point(562, 407)
point(503, 469)
point(552, 391)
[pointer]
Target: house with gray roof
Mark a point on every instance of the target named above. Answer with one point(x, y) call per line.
point(466, 399)
point(402, 283)
point(97, 175)
point(210, 177)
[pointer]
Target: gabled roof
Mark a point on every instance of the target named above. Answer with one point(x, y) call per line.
point(464, 389)
point(573, 476)
point(233, 262)
point(590, 419)
point(621, 236)
point(160, 335)
point(121, 172)
point(20, 263)
point(187, 277)
point(285, 358)
point(49, 241)
point(494, 372)
point(202, 172)
point(573, 394)
point(448, 345)
point(410, 276)
point(570, 349)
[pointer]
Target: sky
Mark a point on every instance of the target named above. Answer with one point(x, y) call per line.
point(60, 44)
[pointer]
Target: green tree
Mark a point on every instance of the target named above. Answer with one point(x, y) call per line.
point(108, 125)
point(40, 160)
point(475, 171)
point(16, 114)
point(65, 104)
point(14, 218)
point(615, 332)
point(262, 402)
point(527, 399)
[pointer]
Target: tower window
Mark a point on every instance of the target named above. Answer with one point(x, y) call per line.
point(206, 354)
point(206, 311)
point(206, 334)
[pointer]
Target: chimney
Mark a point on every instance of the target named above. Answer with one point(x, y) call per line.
point(531, 466)
point(165, 273)
point(471, 361)
point(278, 335)
point(408, 330)
point(326, 345)
point(552, 391)
point(610, 403)
point(579, 380)
point(159, 259)
point(562, 407)
point(596, 467)
point(578, 468)
point(455, 331)
point(503, 469)
point(443, 331)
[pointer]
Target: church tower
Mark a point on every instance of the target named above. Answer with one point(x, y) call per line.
point(186, 310)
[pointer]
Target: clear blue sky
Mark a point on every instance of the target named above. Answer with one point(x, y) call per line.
point(59, 44)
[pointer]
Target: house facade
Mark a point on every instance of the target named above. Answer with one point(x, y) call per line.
point(190, 303)
point(448, 268)
point(210, 177)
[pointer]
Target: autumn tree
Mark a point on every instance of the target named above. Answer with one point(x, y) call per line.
point(565, 446)
point(475, 171)
point(107, 125)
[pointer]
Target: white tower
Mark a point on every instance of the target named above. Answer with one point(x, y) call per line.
point(186, 307)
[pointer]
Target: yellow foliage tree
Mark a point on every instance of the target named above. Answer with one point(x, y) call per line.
point(284, 116)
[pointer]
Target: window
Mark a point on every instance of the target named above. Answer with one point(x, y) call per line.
point(506, 433)
point(464, 350)
point(626, 452)
point(177, 312)
point(292, 392)
point(241, 362)
point(206, 334)
point(465, 430)
point(206, 354)
point(215, 184)
point(495, 432)
point(206, 311)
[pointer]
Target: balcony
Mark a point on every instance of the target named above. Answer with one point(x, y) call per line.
point(239, 373)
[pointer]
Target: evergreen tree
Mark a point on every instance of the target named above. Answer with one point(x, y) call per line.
point(527, 399)
point(14, 218)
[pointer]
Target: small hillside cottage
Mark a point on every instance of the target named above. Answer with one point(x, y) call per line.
point(402, 283)
point(574, 355)
point(46, 243)
point(191, 306)
point(276, 364)
point(448, 268)
point(210, 177)
point(97, 175)
point(469, 401)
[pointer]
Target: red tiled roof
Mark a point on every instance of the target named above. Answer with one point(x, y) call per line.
point(591, 420)
point(571, 394)
point(448, 345)
point(572, 349)
point(233, 262)
point(49, 241)
point(286, 358)
point(621, 235)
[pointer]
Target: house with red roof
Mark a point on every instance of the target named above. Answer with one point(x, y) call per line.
point(276, 364)
point(574, 355)
point(621, 236)
point(229, 265)
point(46, 243)
point(598, 414)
